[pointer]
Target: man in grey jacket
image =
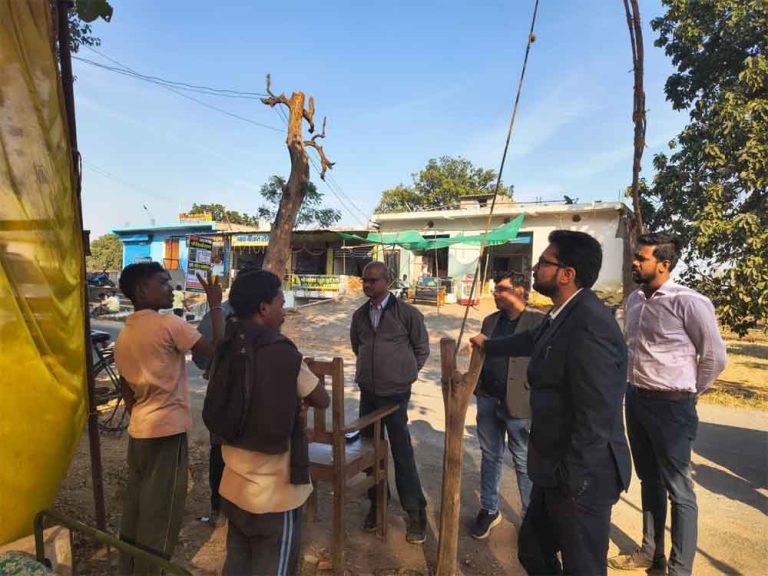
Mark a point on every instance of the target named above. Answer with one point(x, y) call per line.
point(503, 404)
point(391, 343)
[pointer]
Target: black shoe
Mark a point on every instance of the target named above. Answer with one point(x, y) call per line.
point(416, 528)
point(484, 523)
point(371, 521)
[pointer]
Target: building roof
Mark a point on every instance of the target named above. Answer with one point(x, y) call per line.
point(223, 227)
point(530, 209)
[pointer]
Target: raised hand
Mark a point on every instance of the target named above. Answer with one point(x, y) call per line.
point(212, 287)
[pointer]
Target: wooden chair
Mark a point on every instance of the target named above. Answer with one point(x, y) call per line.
point(362, 463)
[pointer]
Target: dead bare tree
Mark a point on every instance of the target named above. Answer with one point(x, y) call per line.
point(638, 112)
point(279, 248)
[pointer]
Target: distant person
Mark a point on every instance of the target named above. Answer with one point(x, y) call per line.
point(675, 354)
point(179, 301)
point(389, 338)
point(101, 307)
point(112, 304)
point(150, 356)
point(503, 404)
point(215, 459)
point(578, 458)
point(266, 476)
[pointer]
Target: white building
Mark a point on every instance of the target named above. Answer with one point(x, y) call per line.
point(606, 221)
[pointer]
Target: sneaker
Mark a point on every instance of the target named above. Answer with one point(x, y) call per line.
point(483, 524)
point(416, 528)
point(638, 560)
point(371, 522)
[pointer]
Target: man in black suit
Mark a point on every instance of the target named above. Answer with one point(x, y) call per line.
point(578, 458)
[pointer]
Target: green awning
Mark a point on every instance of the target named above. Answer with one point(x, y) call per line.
point(413, 240)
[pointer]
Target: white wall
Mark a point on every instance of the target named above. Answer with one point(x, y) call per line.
point(603, 224)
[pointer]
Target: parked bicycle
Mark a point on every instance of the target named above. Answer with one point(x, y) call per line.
point(112, 415)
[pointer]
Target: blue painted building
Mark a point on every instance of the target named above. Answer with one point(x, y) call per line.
point(166, 244)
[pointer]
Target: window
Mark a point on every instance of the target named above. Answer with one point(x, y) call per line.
point(171, 254)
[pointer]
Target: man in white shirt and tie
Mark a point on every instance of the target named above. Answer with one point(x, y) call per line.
point(675, 354)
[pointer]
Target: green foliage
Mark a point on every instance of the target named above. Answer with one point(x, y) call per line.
point(106, 254)
point(85, 12)
point(440, 185)
point(713, 188)
point(219, 213)
point(311, 211)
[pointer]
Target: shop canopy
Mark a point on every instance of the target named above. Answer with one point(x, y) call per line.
point(413, 240)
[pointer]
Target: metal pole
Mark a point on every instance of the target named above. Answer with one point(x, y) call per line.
point(67, 82)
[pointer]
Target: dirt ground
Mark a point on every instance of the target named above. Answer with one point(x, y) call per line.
point(730, 470)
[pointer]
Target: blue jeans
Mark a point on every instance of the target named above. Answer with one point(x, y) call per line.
point(493, 426)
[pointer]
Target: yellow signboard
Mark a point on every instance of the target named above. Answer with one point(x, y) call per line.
point(189, 218)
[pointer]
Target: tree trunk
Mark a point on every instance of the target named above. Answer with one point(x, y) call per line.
point(279, 248)
point(638, 111)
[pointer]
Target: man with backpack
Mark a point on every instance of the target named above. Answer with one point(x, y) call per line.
point(391, 343)
point(256, 391)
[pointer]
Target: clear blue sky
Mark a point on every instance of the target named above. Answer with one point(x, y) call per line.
point(400, 82)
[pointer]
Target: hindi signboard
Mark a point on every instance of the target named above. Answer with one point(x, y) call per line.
point(200, 250)
point(315, 285)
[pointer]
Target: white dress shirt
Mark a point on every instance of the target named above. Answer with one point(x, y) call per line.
point(377, 310)
point(673, 340)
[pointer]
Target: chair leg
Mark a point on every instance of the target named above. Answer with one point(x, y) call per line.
point(339, 529)
point(382, 473)
point(312, 504)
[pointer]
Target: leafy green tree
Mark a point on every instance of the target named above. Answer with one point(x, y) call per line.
point(80, 19)
point(106, 254)
point(440, 185)
point(713, 188)
point(311, 211)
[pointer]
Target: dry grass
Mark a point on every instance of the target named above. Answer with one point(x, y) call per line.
point(744, 383)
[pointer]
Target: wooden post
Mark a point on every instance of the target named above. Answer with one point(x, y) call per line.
point(457, 394)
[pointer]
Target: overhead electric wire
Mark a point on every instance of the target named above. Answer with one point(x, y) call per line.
point(226, 93)
point(344, 203)
point(531, 40)
point(178, 92)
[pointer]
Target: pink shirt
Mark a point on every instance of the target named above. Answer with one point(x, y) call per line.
point(673, 340)
point(150, 354)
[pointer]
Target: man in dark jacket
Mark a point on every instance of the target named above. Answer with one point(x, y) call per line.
point(391, 343)
point(503, 405)
point(578, 458)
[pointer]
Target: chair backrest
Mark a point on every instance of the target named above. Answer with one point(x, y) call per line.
point(334, 369)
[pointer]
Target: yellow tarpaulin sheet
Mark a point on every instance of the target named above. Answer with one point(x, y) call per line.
point(42, 383)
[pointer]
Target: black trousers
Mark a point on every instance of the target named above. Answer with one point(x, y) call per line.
point(661, 434)
point(262, 544)
point(396, 424)
point(215, 472)
point(578, 528)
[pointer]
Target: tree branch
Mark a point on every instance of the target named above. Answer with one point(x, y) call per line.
point(309, 115)
point(273, 100)
point(324, 162)
point(322, 132)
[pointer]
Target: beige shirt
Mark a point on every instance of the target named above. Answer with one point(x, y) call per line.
point(150, 354)
point(261, 483)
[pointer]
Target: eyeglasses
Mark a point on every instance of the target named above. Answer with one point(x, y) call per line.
point(544, 262)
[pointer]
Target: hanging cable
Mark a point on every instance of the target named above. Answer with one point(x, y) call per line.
point(531, 40)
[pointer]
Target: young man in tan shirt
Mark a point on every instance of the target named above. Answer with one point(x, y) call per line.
point(150, 354)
